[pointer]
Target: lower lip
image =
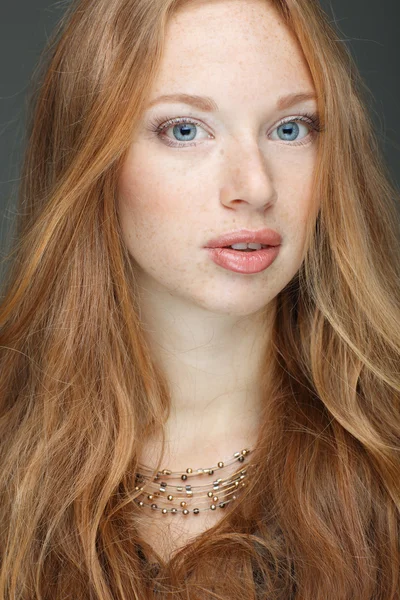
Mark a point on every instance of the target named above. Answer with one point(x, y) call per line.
point(244, 262)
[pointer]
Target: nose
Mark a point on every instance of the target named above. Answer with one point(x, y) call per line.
point(248, 178)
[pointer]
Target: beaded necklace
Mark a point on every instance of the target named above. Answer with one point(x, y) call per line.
point(220, 492)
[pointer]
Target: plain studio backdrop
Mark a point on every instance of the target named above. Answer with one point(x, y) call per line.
point(370, 29)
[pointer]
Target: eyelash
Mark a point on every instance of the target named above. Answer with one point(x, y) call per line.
point(159, 125)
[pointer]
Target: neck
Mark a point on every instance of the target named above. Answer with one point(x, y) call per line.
point(212, 364)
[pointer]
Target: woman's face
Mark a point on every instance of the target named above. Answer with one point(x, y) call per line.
point(224, 169)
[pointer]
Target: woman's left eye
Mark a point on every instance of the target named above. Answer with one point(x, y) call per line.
point(287, 130)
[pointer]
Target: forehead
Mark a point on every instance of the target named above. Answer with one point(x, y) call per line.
point(235, 47)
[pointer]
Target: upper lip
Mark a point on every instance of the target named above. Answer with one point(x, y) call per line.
point(268, 237)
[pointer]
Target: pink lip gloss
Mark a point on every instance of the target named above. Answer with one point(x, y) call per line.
point(244, 262)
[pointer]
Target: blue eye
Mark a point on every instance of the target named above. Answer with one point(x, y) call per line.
point(290, 129)
point(185, 129)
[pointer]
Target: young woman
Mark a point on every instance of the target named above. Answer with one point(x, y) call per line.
point(182, 416)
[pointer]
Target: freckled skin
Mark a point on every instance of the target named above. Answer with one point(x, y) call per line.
point(179, 198)
point(203, 321)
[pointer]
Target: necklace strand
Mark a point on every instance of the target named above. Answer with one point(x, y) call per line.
point(223, 491)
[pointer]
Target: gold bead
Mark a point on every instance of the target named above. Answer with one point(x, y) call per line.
point(170, 497)
point(220, 464)
point(215, 498)
point(209, 494)
point(164, 511)
point(150, 496)
point(183, 503)
point(213, 507)
point(189, 470)
point(141, 503)
point(185, 511)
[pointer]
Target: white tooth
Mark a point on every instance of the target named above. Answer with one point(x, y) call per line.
point(241, 246)
point(244, 246)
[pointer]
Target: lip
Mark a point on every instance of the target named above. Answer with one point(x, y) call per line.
point(244, 262)
point(268, 237)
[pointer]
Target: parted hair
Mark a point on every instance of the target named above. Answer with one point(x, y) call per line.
point(79, 388)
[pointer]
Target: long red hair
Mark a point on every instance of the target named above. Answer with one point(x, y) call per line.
point(79, 390)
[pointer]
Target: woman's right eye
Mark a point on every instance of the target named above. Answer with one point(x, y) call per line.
point(182, 127)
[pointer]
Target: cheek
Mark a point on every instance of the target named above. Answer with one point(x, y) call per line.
point(147, 192)
point(136, 196)
point(147, 211)
point(296, 210)
point(294, 181)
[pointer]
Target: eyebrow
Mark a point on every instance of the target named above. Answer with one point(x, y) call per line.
point(207, 104)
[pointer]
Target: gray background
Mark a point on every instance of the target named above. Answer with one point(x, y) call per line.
point(368, 28)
